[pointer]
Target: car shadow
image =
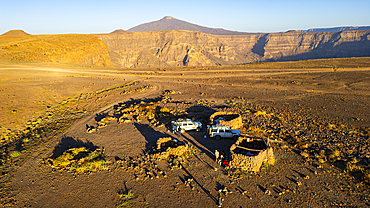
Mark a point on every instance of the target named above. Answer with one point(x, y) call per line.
point(150, 135)
point(200, 113)
point(205, 144)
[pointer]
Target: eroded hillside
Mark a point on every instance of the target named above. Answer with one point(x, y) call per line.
point(76, 49)
point(187, 48)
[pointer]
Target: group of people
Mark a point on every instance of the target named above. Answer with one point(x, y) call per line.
point(222, 159)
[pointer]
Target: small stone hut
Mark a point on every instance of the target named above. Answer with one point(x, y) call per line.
point(249, 153)
point(231, 119)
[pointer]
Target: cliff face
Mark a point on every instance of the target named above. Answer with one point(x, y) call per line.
point(183, 48)
point(187, 48)
point(297, 45)
point(178, 48)
point(79, 49)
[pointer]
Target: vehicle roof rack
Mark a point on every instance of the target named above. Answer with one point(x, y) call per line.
point(220, 125)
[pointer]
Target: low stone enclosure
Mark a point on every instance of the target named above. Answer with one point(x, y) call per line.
point(250, 153)
point(233, 120)
point(247, 154)
point(172, 150)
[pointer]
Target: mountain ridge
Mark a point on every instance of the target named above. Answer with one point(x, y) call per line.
point(118, 31)
point(15, 32)
point(123, 49)
point(171, 23)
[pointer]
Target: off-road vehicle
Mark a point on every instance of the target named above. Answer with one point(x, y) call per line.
point(186, 125)
point(219, 131)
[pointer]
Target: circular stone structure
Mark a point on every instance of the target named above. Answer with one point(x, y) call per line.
point(249, 153)
point(231, 119)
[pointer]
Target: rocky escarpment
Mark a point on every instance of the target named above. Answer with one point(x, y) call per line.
point(189, 48)
point(178, 48)
point(183, 48)
point(77, 49)
point(298, 46)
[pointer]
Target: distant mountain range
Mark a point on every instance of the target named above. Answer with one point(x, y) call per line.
point(170, 23)
point(179, 43)
point(335, 29)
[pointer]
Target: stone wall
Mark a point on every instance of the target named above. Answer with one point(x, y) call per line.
point(252, 163)
point(233, 120)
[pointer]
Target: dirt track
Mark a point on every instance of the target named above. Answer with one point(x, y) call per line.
point(299, 96)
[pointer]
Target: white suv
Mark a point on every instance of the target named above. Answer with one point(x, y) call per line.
point(186, 125)
point(219, 131)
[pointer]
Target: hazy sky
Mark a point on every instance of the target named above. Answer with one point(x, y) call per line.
point(93, 16)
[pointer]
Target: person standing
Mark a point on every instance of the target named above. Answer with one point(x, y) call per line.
point(222, 157)
point(178, 131)
point(219, 198)
point(217, 154)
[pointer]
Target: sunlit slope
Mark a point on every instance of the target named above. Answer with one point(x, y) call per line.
point(76, 49)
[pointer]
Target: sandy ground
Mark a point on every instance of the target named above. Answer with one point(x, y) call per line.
point(26, 90)
point(308, 100)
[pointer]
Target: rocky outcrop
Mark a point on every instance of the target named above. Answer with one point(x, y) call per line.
point(188, 48)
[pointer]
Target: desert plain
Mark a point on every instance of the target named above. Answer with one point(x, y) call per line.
point(316, 114)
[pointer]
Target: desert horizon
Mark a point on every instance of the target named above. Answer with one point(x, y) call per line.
point(172, 23)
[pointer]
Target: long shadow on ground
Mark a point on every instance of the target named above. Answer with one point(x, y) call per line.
point(68, 143)
point(208, 145)
point(150, 135)
point(200, 186)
